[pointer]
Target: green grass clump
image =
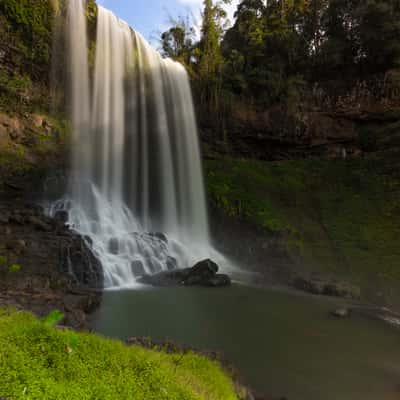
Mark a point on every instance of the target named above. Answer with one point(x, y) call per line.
point(39, 362)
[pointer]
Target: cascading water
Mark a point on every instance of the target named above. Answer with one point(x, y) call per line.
point(136, 165)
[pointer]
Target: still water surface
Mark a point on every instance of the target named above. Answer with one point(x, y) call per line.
point(284, 344)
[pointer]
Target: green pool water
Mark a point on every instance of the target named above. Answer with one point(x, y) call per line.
point(283, 344)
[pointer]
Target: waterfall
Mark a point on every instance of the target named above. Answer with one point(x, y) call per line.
point(136, 189)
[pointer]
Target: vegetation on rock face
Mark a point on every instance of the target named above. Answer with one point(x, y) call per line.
point(340, 217)
point(30, 22)
point(26, 28)
point(41, 362)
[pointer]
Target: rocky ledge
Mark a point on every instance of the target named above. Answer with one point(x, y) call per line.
point(326, 287)
point(204, 273)
point(44, 266)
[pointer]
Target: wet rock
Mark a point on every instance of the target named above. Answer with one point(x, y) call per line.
point(113, 246)
point(76, 319)
point(35, 209)
point(17, 219)
point(203, 273)
point(159, 236)
point(88, 240)
point(152, 266)
point(172, 263)
point(340, 313)
point(16, 246)
point(220, 280)
point(86, 302)
point(137, 268)
point(79, 261)
point(21, 243)
point(328, 288)
point(61, 216)
point(205, 269)
point(165, 278)
point(57, 271)
point(4, 218)
point(343, 289)
point(39, 224)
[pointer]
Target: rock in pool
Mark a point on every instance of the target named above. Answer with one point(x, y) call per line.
point(204, 273)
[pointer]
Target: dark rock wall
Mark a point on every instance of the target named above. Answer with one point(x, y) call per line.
point(45, 266)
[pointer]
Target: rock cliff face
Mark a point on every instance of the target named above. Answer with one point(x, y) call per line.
point(275, 134)
point(45, 266)
point(346, 123)
point(32, 146)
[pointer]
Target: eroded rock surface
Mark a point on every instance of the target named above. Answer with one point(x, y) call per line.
point(45, 266)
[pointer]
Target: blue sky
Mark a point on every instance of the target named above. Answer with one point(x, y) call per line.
point(150, 17)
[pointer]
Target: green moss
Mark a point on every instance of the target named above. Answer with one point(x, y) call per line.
point(13, 88)
point(337, 216)
point(40, 362)
point(13, 161)
point(31, 21)
point(14, 268)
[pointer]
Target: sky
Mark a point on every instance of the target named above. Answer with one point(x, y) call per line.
point(150, 17)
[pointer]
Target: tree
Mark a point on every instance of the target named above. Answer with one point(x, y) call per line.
point(178, 42)
point(379, 34)
point(209, 53)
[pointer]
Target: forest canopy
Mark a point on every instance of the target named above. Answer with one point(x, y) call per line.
point(275, 47)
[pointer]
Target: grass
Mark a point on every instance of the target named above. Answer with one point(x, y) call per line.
point(40, 362)
point(340, 217)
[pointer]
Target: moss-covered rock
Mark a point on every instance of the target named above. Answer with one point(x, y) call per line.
point(28, 25)
point(338, 217)
point(32, 145)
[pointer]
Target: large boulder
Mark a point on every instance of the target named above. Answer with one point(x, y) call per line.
point(204, 273)
point(201, 273)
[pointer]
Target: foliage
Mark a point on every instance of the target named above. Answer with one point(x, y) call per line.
point(31, 22)
point(14, 88)
point(274, 48)
point(338, 216)
point(209, 52)
point(178, 41)
point(41, 362)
